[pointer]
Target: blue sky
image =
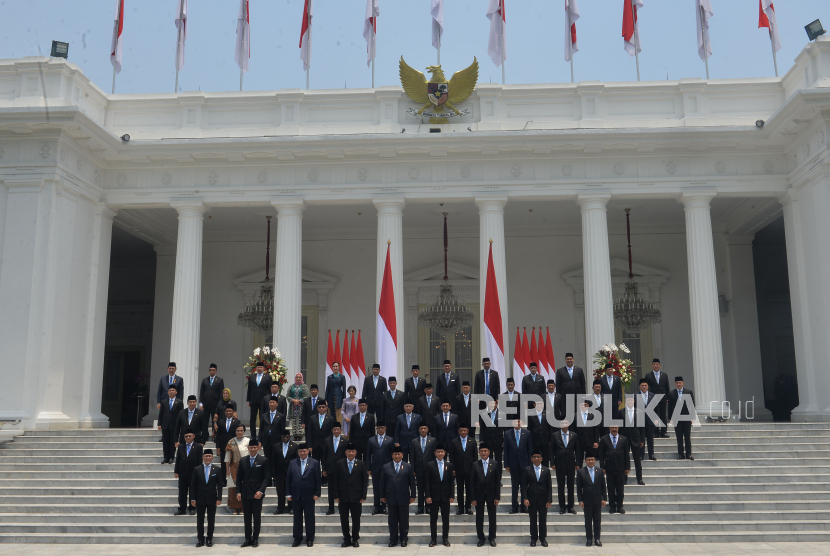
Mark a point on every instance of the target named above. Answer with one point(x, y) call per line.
point(535, 41)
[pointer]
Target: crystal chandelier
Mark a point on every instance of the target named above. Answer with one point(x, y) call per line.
point(447, 313)
point(632, 311)
point(259, 314)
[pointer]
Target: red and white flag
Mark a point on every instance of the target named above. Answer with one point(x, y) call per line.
point(493, 329)
point(243, 36)
point(361, 366)
point(117, 44)
point(329, 357)
point(630, 27)
point(534, 351)
point(549, 357)
point(181, 35)
point(337, 358)
point(345, 364)
point(571, 15)
point(437, 13)
point(704, 13)
point(766, 18)
point(356, 382)
point(387, 323)
point(543, 357)
point(305, 35)
point(525, 351)
point(518, 362)
point(370, 30)
point(495, 47)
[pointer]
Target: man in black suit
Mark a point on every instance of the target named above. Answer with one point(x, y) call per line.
point(310, 403)
point(534, 383)
point(682, 422)
point(421, 452)
point(413, 386)
point(649, 429)
point(374, 386)
point(612, 386)
point(318, 428)
point(463, 453)
point(188, 457)
point(537, 494)
point(393, 400)
point(487, 381)
point(587, 431)
point(259, 384)
point(210, 392)
point(658, 383)
point(428, 407)
point(302, 488)
point(191, 417)
point(486, 487)
point(613, 452)
point(205, 496)
point(598, 403)
point(592, 496)
point(446, 425)
point(362, 427)
point(266, 400)
point(225, 430)
point(252, 478)
point(448, 386)
point(510, 407)
point(518, 447)
point(349, 484)
point(334, 450)
point(168, 380)
point(397, 488)
point(271, 425)
point(564, 445)
point(570, 379)
point(406, 428)
point(630, 431)
point(537, 425)
point(490, 432)
point(440, 492)
point(283, 454)
point(554, 401)
point(167, 420)
point(464, 407)
point(378, 454)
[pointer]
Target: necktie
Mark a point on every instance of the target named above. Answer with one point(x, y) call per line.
point(493, 417)
point(375, 380)
point(610, 381)
point(171, 403)
point(258, 379)
point(570, 372)
point(380, 441)
point(171, 381)
point(362, 418)
point(415, 381)
point(188, 450)
point(645, 398)
point(211, 381)
point(591, 472)
point(302, 467)
point(487, 383)
point(614, 441)
point(423, 445)
point(538, 473)
point(484, 462)
point(517, 438)
point(228, 426)
point(321, 420)
point(429, 401)
point(207, 473)
point(351, 466)
point(466, 401)
point(446, 419)
point(441, 469)
point(584, 418)
point(631, 416)
point(463, 444)
point(397, 469)
point(253, 460)
point(273, 416)
point(392, 393)
point(408, 420)
point(447, 376)
point(284, 450)
point(336, 442)
point(565, 439)
point(189, 416)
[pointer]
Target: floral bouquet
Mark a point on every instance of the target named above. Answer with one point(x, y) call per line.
point(274, 364)
point(610, 353)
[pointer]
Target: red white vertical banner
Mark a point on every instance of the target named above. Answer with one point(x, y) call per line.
point(370, 30)
point(543, 357)
point(493, 329)
point(498, 23)
point(534, 351)
point(518, 362)
point(356, 382)
point(387, 325)
point(571, 15)
point(329, 357)
point(116, 51)
point(766, 18)
point(181, 34)
point(305, 35)
point(630, 27)
point(549, 357)
point(525, 352)
point(361, 365)
point(337, 358)
point(345, 365)
point(243, 36)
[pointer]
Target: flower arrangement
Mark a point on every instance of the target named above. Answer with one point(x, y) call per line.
point(274, 364)
point(610, 353)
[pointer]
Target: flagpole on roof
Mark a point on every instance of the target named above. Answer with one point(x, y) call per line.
point(636, 39)
point(374, 53)
point(503, 25)
point(703, 36)
point(308, 70)
point(571, 46)
point(774, 60)
point(439, 49)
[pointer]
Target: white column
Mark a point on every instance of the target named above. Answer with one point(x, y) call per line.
point(707, 349)
point(390, 234)
point(491, 226)
point(596, 268)
point(288, 283)
point(187, 295)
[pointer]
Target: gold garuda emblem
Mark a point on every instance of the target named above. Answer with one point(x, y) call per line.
point(438, 94)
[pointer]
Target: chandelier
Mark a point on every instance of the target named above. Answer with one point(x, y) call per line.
point(632, 311)
point(447, 313)
point(259, 314)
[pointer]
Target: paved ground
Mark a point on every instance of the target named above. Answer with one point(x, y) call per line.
point(645, 549)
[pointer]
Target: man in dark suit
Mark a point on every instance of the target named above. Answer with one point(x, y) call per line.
point(378, 454)
point(486, 486)
point(374, 387)
point(598, 403)
point(266, 400)
point(446, 425)
point(167, 419)
point(464, 453)
point(421, 452)
point(302, 488)
point(489, 431)
point(413, 387)
point(210, 392)
point(570, 379)
point(283, 454)
point(682, 423)
point(191, 417)
point(510, 407)
point(334, 450)
point(428, 407)
point(349, 484)
point(205, 496)
point(362, 427)
point(611, 386)
point(537, 494)
point(534, 383)
point(271, 425)
point(587, 430)
point(518, 447)
point(554, 401)
point(440, 492)
point(259, 384)
point(537, 425)
point(393, 400)
point(406, 428)
point(225, 430)
point(486, 381)
point(397, 488)
point(613, 452)
point(188, 457)
point(649, 428)
point(252, 478)
point(310, 403)
point(168, 380)
point(592, 496)
point(564, 445)
point(658, 383)
point(630, 431)
point(447, 385)
point(464, 407)
point(318, 428)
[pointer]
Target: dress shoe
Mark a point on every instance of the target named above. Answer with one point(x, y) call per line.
point(652, 458)
point(385, 511)
point(254, 544)
point(179, 512)
point(561, 511)
point(355, 544)
point(209, 543)
point(625, 481)
point(571, 511)
point(681, 457)
point(376, 512)
point(447, 543)
point(419, 512)
point(330, 512)
point(532, 543)
point(191, 511)
point(480, 542)
point(611, 510)
point(278, 512)
point(523, 509)
point(691, 458)
point(459, 512)
point(621, 511)
point(295, 544)
point(403, 543)
point(345, 544)
point(493, 543)
point(641, 482)
point(309, 543)
point(597, 542)
point(589, 543)
point(514, 512)
point(392, 544)
point(469, 511)
point(246, 543)
point(432, 544)
point(200, 544)
point(544, 543)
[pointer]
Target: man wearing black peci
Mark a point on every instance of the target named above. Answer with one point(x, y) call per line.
point(446, 425)
point(193, 418)
point(489, 431)
point(487, 382)
point(537, 425)
point(302, 488)
point(463, 453)
point(616, 464)
point(283, 454)
point(447, 387)
point(518, 447)
point(464, 407)
point(317, 429)
point(592, 497)
point(414, 386)
point(349, 484)
point(271, 425)
point(259, 384)
point(587, 431)
point(630, 431)
point(167, 420)
point(406, 428)
point(440, 491)
point(374, 387)
point(210, 392)
point(421, 452)
point(564, 445)
point(537, 496)
point(188, 457)
point(310, 404)
point(362, 428)
point(512, 401)
point(205, 496)
point(397, 488)
point(281, 401)
point(428, 407)
point(252, 478)
point(570, 379)
point(658, 383)
point(649, 428)
point(486, 487)
point(378, 454)
point(225, 430)
point(533, 383)
point(612, 386)
point(682, 427)
point(393, 400)
point(167, 381)
point(334, 450)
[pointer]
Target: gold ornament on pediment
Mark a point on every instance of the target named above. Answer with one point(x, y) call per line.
point(437, 94)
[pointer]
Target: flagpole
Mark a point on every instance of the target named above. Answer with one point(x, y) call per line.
point(439, 46)
point(774, 60)
point(636, 39)
point(113, 80)
point(374, 53)
point(309, 46)
point(703, 37)
point(176, 89)
point(570, 42)
point(241, 73)
point(503, 57)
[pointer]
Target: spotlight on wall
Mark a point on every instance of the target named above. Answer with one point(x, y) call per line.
point(61, 49)
point(125, 137)
point(814, 30)
point(759, 123)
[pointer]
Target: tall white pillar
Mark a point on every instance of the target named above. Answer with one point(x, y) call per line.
point(288, 283)
point(491, 227)
point(390, 234)
point(596, 268)
point(187, 295)
point(707, 349)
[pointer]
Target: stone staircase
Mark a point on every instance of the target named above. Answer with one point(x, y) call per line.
point(759, 482)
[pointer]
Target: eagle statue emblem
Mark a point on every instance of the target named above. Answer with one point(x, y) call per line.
point(438, 94)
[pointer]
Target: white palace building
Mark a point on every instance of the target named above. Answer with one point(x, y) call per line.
point(118, 256)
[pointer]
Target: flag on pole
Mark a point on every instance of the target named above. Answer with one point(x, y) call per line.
point(345, 364)
point(571, 15)
point(437, 13)
point(305, 35)
point(498, 22)
point(356, 382)
point(534, 351)
point(518, 362)
point(704, 45)
point(493, 329)
point(766, 18)
point(370, 30)
point(243, 36)
point(630, 28)
point(525, 352)
point(337, 358)
point(117, 45)
point(387, 337)
point(329, 357)
point(361, 366)
point(543, 358)
point(181, 35)
point(549, 353)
